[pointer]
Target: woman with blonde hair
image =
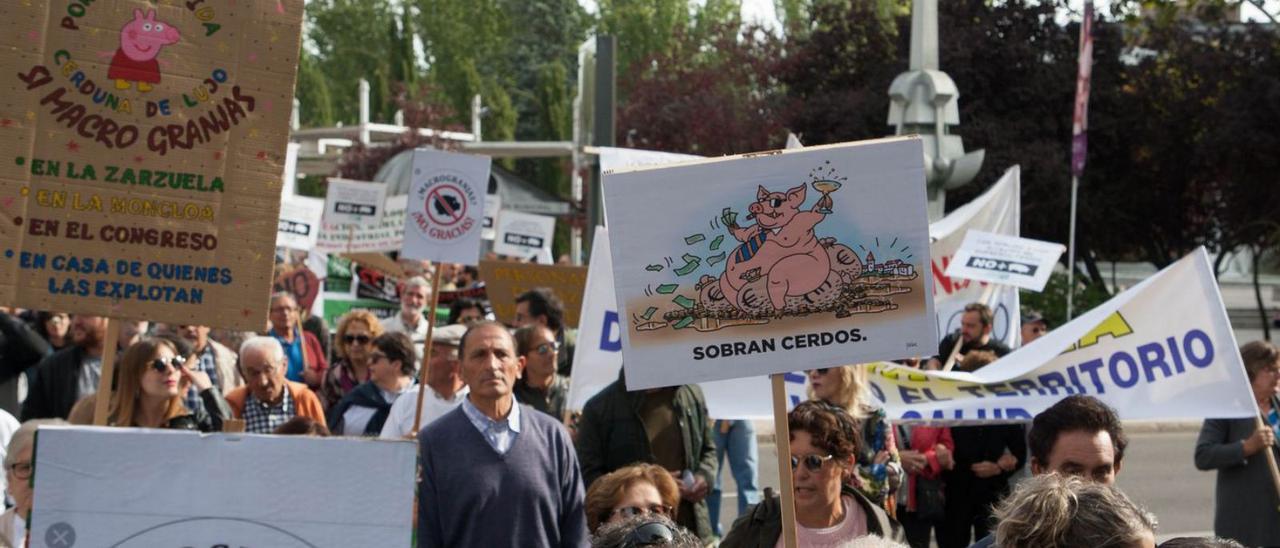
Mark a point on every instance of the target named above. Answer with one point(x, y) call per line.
point(153, 379)
point(1054, 510)
point(879, 467)
point(631, 490)
point(351, 349)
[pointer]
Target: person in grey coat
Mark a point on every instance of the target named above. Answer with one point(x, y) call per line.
point(1246, 505)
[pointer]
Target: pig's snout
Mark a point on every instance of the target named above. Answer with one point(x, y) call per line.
point(755, 208)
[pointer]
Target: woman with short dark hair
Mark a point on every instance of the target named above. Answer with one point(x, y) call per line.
point(363, 411)
point(828, 511)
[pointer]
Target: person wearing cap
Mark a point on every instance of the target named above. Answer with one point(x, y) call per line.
point(1034, 326)
point(444, 381)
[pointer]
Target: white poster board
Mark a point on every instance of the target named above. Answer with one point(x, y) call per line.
point(997, 211)
point(598, 357)
point(1163, 350)
point(384, 237)
point(137, 488)
point(771, 262)
point(492, 205)
point(524, 235)
point(350, 202)
point(1006, 260)
point(299, 222)
point(445, 212)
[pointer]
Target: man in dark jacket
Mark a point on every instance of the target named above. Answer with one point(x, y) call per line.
point(69, 374)
point(666, 426)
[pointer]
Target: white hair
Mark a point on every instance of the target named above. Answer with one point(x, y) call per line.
point(416, 282)
point(268, 345)
point(24, 435)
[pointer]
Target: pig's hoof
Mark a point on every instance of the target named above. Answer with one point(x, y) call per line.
point(750, 275)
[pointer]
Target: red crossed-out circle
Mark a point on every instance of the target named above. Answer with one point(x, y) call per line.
point(436, 196)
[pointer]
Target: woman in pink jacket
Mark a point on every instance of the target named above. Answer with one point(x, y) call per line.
point(925, 452)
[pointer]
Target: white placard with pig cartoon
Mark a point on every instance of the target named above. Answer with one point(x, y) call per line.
point(771, 262)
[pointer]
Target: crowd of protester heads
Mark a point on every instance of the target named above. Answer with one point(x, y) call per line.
point(635, 468)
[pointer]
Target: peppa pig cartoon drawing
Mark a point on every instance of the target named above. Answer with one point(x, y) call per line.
point(781, 248)
point(140, 42)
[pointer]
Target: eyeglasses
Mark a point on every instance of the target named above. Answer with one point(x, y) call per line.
point(812, 462)
point(282, 309)
point(21, 470)
point(361, 339)
point(376, 357)
point(548, 348)
point(162, 364)
point(653, 509)
point(654, 533)
point(820, 370)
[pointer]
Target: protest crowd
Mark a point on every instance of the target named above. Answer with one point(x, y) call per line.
point(633, 468)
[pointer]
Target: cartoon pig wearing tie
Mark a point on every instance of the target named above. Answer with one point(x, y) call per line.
point(781, 248)
point(140, 43)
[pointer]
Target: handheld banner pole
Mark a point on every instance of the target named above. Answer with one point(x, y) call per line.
point(985, 299)
point(102, 404)
point(1071, 249)
point(782, 439)
point(426, 353)
point(1271, 460)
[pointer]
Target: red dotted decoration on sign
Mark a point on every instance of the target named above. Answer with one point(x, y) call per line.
point(245, 312)
point(6, 123)
point(217, 155)
point(262, 155)
point(138, 159)
point(73, 146)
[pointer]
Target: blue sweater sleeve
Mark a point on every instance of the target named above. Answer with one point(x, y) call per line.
point(573, 516)
point(430, 533)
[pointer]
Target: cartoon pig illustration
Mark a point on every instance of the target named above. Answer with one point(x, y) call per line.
point(781, 248)
point(140, 42)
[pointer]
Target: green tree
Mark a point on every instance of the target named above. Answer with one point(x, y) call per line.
point(351, 42)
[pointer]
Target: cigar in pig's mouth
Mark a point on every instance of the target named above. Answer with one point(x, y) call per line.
point(751, 216)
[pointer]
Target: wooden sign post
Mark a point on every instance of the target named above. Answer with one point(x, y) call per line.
point(782, 439)
point(102, 404)
point(426, 351)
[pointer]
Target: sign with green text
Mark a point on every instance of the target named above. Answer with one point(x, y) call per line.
point(142, 149)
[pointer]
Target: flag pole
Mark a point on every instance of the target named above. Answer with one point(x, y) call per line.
point(1071, 249)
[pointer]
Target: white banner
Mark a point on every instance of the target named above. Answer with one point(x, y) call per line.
point(702, 297)
point(612, 158)
point(492, 205)
point(106, 487)
point(299, 222)
point(386, 236)
point(445, 213)
point(524, 235)
point(350, 202)
point(1006, 260)
point(598, 357)
point(1161, 350)
point(997, 211)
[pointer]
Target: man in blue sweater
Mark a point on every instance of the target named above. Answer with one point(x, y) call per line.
point(494, 472)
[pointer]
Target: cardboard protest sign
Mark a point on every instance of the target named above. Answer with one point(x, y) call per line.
point(1007, 260)
point(350, 202)
point(598, 356)
point(299, 222)
point(996, 211)
point(384, 237)
point(445, 213)
point(79, 509)
point(1164, 349)
point(524, 235)
point(478, 292)
point(831, 269)
point(143, 148)
point(492, 205)
point(300, 282)
point(505, 280)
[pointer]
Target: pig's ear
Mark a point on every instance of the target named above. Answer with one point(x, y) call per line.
point(795, 196)
point(137, 14)
point(761, 193)
point(151, 14)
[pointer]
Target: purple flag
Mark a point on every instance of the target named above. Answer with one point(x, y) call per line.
point(1080, 121)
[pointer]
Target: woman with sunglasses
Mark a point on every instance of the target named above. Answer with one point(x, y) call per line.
point(828, 511)
point(879, 466)
point(153, 379)
point(364, 411)
point(639, 489)
point(350, 367)
point(18, 467)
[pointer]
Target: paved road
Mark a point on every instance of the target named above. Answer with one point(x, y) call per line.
point(1158, 472)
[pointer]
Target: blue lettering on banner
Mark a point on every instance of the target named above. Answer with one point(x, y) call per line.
point(1206, 357)
point(607, 332)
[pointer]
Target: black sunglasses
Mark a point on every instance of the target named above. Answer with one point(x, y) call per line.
point(163, 364)
point(812, 462)
point(362, 339)
point(654, 533)
point(547, 348)
point(821, 370)
point(655, 509)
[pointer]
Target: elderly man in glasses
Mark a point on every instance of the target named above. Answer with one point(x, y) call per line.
point(540, 387)
point(268, 399)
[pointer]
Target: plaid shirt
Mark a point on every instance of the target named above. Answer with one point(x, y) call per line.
point(208, 363)
point(260, 418)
